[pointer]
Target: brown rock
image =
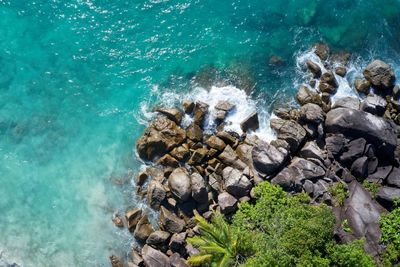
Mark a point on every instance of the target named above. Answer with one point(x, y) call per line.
point(143, 229)
point(194, 133)
point(117, 220)
point(341, 71)
point(132, 217)
point(158, 238)
point(200, 112)
point(362, 85)
point(250, 123)
point(216, 143)
point(168, 161)
point(170, 222)
point(188, 106)
point(322, 51)
point(198, 156)
point(305, 95)
point(179, 183)
point(173, 114)
point(115, 261)
point(380, 74)
point(180, 153)
point(230, 158)
point(314, 68)
point(155, 194)
point(141, 178)
point(154, 258)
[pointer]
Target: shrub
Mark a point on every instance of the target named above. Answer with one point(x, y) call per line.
point(390, 226)
point(339, 193)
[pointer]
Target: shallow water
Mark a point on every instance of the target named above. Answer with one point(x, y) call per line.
point(78, 80)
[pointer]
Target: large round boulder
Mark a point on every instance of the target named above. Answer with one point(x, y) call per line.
point(179, 183)
point(267, 158)
point(379, 74)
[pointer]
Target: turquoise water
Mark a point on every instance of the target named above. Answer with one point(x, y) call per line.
point(75, 77)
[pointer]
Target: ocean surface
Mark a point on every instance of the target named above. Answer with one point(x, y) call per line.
point(79, 78)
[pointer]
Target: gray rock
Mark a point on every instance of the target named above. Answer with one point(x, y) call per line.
point(379, 74)
point(179, 183)
point(170, 222)
point(250, 123)
point(359, 168)
point(176, 261)
point(154, 258)
point(177, 243)
point(353, 150)
point(311, 113)
point(321, 50)
point(387, 195)
point(200, 112)
point(311, 151)
point(380, 175)
point(347, 102)
point(143, 229)
point(308, 186)
point(290, 131)
point(227, 203)
point(394, 178)
point(244, 153)
point(235, 182)
point(158, 238)
point(320, 188)
point(363, 215)
point(155, 194)
point(199, 190)
point(292, 177)
point(355, 123)
point(335, 144)
point(306, 95)
point(230, 158)
point(267, 158)
point(374, 104)
point(132, 217)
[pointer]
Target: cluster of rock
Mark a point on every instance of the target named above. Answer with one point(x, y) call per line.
point(318, 145)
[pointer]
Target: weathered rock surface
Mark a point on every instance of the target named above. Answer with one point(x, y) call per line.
point(154, 258)
point(216, 143)
point(143, 229)
point(267, 158)
point(179, 183)
point(160, 137)
point(235, 182)
point(387, 195)
point(155, 194)
point(347, 102)
point(199, 190)
point(170, 222)
point(394, 178)
point(230, 158)
point(200, 112)
point(379, 74)
point(132, 217)
point(312, 151)
point(194, 132)
point(359, 168)
point(158, 238)
point(306, 95)
point(314, 68)
point(173, 114)
point(311, 113)
point(176, 261)
point(362, 85)
point(374, 104)
point(290, 131)
point(355, 123)
point(227, 202)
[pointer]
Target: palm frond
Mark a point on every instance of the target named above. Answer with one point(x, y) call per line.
point(198, 260)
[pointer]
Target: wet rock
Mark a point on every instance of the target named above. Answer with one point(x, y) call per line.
point(200, 112)
point(136, 258)
point(377, 131)
point(311, 151)
point(199, 190)
point(374, 104)
point(267, 158)
point(394, 178)
point(216, 143)
point(170, 222)
point(314, 68)
point(168, 161)
point(347, 102)
point(341, 71)
point(396, 92)
point(321, 50)
point(235, 182)
point(177, 261)
point(188, 106)
point(227, 138)
point(173, 114)
point(290, 131)
point(155, 194)
point(117, 220)
point(132, 217)
point(250, 123)
point(306, 95)
point(362, 85)
point(329, 78)
point(143, 229)
point(159, 138)
point(353, 150)
point(141, 178)
point(223, 107)
point(230, 158)
point(387, 195)
point(115, 261)
point(327, 88)
point(311, 113)
point(179, 183)
point(227, 203)
point(181, 153)
point(359, 168)
point(154, 258)
point(292, 177)
point(194, 132)
point(158, 238)
point(379, 74)
point(283, 113)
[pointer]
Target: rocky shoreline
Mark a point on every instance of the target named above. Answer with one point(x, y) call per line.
point(319, 145)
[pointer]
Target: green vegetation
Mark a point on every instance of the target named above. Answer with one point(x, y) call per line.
point(217, 243)
point(339, 193)
point(390, 226)
point(372, 187)
point(277, 230)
